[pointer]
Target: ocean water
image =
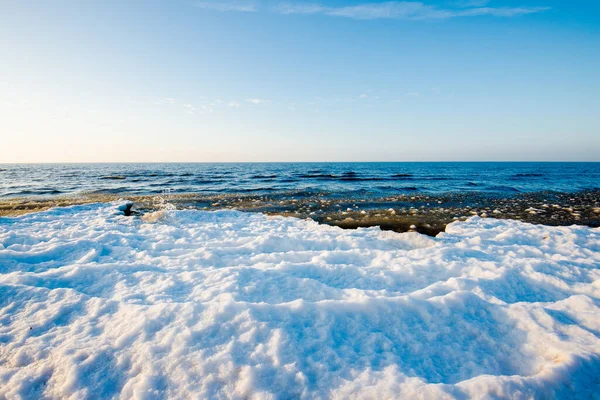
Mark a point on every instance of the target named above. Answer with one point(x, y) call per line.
point(335, 179)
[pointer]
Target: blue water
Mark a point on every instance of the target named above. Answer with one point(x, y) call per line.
point(343, 179)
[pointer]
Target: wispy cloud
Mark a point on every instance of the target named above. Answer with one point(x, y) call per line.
point(190, 108)
point(203, 105)
point(166, 100)
point(365, 96)
point(255, 101)
point(470, 3)
point(174, 103)
point(406, 10)
point(240, 6)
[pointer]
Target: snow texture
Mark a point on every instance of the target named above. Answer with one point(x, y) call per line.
point(94, 304)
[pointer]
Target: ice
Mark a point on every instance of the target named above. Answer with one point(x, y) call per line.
point(95, 304)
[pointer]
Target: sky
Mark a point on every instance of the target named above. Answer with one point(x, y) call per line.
point(269, 80)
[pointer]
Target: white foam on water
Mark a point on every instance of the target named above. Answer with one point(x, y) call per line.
point(226, 304)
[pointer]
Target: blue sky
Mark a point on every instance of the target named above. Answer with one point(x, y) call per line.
point(299, 81)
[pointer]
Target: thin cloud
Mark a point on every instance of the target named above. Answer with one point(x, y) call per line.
point(470, 3)
point(239, 6)
point(500, 12)
point(286, 8)
point(166, 100)
point(406, 10)
point(255, 101)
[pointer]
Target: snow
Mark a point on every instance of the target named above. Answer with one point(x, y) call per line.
point(94, 304)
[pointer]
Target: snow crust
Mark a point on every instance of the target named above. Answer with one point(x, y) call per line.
point(94, 304)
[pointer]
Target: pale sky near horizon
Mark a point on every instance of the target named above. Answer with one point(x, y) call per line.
point(328, 80)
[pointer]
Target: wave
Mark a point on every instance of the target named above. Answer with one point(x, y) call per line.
point(528, 175)
point(436, 178)
point(118, 190)
point(266, 189)
point(318, 176)
point(357, 179)
point(504, 189)
point(208, 181)
point(39, 192)
point(161, 174)
point(263, 177)
point(346, 176)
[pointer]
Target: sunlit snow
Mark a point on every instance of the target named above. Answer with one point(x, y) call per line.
point(94, 304)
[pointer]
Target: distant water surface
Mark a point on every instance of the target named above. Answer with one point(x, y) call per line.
point(336, 179)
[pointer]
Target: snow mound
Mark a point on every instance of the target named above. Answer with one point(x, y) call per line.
point(94, 304)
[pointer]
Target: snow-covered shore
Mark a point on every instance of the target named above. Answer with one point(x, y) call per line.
point(226, 304)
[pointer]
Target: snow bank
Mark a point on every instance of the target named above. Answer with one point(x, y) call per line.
point(225, 304)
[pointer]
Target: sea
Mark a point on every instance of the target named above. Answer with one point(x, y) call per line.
point(359, 179)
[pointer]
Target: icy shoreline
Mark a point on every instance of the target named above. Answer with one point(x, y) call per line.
point(228, 304)
point(425, 213)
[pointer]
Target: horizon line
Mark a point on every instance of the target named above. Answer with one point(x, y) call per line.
point(299, 162)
